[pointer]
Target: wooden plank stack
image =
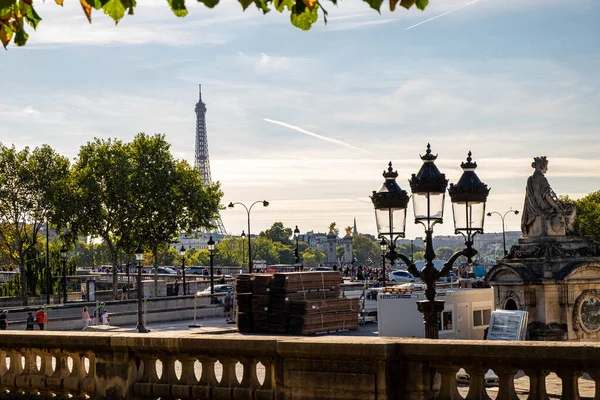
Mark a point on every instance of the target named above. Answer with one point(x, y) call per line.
point(294, 302)
point(243, 302)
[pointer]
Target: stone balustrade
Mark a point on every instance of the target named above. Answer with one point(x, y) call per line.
point(113, 366)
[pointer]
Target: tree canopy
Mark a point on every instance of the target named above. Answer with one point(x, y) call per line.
point(16, 14)
point(587, 220)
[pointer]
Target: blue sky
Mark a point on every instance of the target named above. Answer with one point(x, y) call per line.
point(506, 79)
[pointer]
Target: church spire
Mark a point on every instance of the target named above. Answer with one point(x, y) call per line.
point(355, 231)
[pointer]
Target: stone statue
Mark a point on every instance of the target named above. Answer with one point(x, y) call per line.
point(543, 213)
point(332, 229)
point(348, 231)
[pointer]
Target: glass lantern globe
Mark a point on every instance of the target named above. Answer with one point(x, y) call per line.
point(182, 251)
point(139, 253)
point(428, 188)
point(468, 196)
point(211, 244)
point(390, 203)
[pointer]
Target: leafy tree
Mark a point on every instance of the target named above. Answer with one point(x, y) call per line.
point(263, 249)
point(229, 251)
point(197, 257)
point(312, 257)
point(15, 13)
point(102, 200)
point(31, 185)
point(170, 196)
point(278, 233)
point(444, 253)
point(339, 252)
point(587, 220)
point(419, 255)
point(364, 248)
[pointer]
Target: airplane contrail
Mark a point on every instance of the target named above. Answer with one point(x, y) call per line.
point(442, 14)
point(325, 138)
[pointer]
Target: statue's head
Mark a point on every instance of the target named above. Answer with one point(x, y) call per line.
point(540, 163)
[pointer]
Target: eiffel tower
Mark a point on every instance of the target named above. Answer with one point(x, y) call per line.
point(202, 162)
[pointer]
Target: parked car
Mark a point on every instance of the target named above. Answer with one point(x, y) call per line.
point(218, 289)
point(402, 276)
point(196, 270)
point(320, 269)
point(161, 270)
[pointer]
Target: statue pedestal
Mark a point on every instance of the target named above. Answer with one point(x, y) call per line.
point(557, 280)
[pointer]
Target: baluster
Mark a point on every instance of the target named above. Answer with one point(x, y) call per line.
point(162, 388)
point(41, 380)
point(477, 382)
point(245, 388)
point(506, 390)
point(73, 382)
point(24, 380)
point(55, 382)
point(595, 375)
point(88, 382)
point(224, 389)
point(143, 385)
point(537, 384)
point(3, 367)
point(183, 389)
point(208, 379)
point(570, 386)
point(448, 389)
point(9, 378)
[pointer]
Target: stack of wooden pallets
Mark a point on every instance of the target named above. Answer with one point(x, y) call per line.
point(243, 302)
point(296, 302)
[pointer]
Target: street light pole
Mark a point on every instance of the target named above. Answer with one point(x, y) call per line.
point(211, 254)
point(47, 265)
point(243, 249)
point(63, 258)
point(383, 245)
point(139, 256)
point(248, 209)
point(296, 253)
point(182, 253)
point(516, 212)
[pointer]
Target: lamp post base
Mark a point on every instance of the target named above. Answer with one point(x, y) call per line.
point(431, 316)
point(142, 329)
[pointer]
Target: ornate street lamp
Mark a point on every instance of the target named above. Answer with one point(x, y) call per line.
point(63, 259)
point(139, 256)
point(428, 188)
point(516, 212)
point(182, 254)
point(390, 203)
point(296, 253)
point(211, 254)
point(248, 209)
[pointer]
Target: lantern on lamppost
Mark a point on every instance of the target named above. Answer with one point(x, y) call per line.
point(211, 254)
point(182, 254)
point(63, 259)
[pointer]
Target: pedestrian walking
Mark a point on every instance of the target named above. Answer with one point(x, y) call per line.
point(85, 316)
point(105, 318)
point(228, 303)
point(4, 320)
point(41, 318)
point(124, 292)
point(176, 287)
point(30, 321)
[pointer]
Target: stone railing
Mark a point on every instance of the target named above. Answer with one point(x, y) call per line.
point(39, 365)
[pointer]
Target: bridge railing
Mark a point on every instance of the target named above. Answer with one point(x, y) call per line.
point(190, 366)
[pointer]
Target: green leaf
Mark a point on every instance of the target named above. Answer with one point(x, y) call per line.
point(31, 16)
point(114, 9)
point(6, 34)
point(262, 5)
point(4, 4)
point(245, 3)
point(178, 7)
point(421, 4)
point(21, 37)
point(280, 5)
point(375, 4)
point(209, 3)
point(305, 18)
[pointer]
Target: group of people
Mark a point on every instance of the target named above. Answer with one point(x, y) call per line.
point(100, 314)
point(40, 318)
point(361, 273)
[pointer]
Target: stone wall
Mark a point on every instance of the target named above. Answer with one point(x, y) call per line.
point(115, 366)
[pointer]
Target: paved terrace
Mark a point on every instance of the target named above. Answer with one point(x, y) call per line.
point(182, 364)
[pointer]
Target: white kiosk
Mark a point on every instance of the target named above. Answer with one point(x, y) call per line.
point(466, 313)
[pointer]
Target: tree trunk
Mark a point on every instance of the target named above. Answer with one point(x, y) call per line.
point(23, 274)
point(115, 271)
point(155, 253)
